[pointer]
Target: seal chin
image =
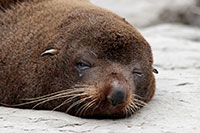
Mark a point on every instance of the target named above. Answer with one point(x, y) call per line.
point(108, 99)
point(96, 108)
point(108, 110)
point(105, 113)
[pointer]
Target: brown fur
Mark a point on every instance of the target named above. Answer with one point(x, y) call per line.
point(77, 29)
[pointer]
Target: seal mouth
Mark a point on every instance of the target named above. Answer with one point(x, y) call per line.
point(84, 101)
point(92, 105)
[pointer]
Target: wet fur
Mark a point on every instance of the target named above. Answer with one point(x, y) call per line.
point(71, 26)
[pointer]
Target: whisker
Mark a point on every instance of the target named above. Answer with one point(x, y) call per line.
point(133, 108)
point(55, 93)
point(129, 110)
point(96, 107)
point(68, 100)
point(137, 96)
point(132, 104)
point(87, 107)
point(77, 102)
point(140, 102)
point(77, 112)
point(62, 95)
point(27, 99)
point(82, 85)
point(60, 105)
point(125, 111)
point(57, 97)
point(38, 100)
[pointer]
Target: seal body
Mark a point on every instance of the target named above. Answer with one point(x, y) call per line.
point(72, 56)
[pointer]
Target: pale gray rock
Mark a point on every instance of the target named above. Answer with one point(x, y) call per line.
point(174, 109)
point(143, 13)
point(189, 15)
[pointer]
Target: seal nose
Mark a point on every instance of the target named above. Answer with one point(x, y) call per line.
point(117, 96)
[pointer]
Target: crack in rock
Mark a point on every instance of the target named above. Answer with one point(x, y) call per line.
point(71, 125)
point(184, 84)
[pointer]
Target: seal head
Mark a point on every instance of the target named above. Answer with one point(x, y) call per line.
point(73, 57)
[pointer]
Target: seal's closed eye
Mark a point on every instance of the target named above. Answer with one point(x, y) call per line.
point(80, 66)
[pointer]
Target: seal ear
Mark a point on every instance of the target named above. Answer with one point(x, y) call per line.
point(49, 52)
point(155, 71)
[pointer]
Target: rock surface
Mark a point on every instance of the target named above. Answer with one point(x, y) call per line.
point(143, 13)
point(174, 109)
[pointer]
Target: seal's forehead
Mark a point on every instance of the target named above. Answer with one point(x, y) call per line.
point(114, 40)
point(117, 54)
point(116, 43)
point(124, 51)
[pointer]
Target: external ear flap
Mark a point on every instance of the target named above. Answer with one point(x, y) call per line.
point(155, 71)
point(49, 52)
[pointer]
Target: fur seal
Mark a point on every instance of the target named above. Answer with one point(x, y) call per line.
point(72, 56)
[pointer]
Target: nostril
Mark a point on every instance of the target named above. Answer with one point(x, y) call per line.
point(117, 96)
point(114, 73)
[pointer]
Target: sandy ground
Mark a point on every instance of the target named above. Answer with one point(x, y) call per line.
point(174, 109)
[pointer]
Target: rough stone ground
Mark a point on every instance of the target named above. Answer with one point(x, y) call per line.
point(174, 109)
point(143, 13)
